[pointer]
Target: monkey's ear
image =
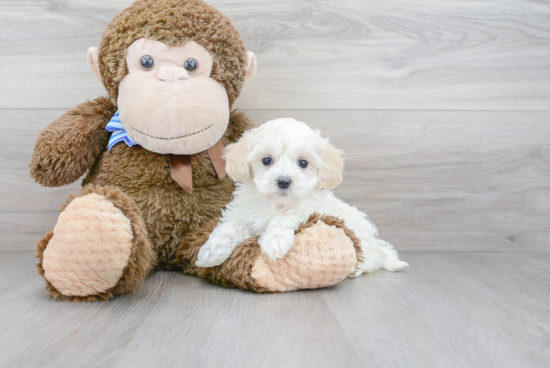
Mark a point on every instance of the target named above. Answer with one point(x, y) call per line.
point(93, 54)
point(237, 166)
point(251, 71)
point(330, 173)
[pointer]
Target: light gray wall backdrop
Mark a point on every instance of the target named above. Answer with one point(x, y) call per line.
point(443, 107)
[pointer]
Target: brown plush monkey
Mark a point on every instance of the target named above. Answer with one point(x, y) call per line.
point(155, 183)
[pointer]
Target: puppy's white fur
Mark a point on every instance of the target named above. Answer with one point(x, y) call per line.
point(261, 208)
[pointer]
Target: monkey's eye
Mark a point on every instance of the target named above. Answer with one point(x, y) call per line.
point(267, 161)
point(147, 62)
point(190, 65)
point(303, 164)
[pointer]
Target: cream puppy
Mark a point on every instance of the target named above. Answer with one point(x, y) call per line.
point(284, 172)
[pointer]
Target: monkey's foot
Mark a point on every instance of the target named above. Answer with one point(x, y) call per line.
point(97, 249)
point(324, 253)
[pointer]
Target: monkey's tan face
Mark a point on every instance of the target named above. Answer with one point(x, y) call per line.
point(168, 103)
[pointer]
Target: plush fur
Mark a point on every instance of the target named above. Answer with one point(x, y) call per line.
point(168, 224)
point(90, 228)
point(278, 195)
point(139, 263)
point(174, 22)
point(325, 253)
point(333, 261)
point(71, 145)
point(170, 213)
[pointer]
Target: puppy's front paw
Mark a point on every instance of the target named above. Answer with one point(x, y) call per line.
point(213, 253)
point(277, 244)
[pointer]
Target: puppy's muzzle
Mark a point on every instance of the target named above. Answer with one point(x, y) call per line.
point(283, 182)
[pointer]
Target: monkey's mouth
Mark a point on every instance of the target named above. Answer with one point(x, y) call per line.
point(172, 138)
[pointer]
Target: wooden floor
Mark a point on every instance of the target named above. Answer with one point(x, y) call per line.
point(443, 110)
point(448, 310)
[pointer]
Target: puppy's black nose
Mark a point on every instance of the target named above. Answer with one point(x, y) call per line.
point(283, 182)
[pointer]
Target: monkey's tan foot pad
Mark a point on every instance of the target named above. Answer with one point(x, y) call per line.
point(324, 253)
point(91, 254)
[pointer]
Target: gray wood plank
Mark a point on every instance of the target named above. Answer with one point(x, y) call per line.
point(453, 310)
point(431, 181)
point(168, 311)
point(352, 54)
point(444, 180)
point(273, 331)
point(448, 309)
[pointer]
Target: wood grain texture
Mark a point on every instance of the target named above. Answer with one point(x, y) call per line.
point(383, 79)
point(353, 54)
point(447, 310)
point(431, 181)
point(444, 180)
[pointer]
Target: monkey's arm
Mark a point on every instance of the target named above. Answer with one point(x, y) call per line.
point(70, 145)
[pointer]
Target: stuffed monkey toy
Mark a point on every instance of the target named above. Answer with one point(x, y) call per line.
point(152, 152)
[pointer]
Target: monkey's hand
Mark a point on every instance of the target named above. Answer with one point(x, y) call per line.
point(70, 145)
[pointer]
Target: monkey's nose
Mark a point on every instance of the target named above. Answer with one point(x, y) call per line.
point(283, 182)
point(172, 73)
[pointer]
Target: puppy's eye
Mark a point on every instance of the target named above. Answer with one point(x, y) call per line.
point(190, 65)
point(147, 62)
point(302, 163)
point(267, 161)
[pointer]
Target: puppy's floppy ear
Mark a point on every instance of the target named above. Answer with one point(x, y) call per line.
point(330, 173)
point(235, 154)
